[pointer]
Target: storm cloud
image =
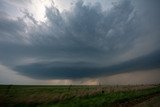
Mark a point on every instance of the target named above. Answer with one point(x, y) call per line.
point(61, 70)
point(86, 41)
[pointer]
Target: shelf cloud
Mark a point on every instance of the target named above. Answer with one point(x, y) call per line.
point(85, 41)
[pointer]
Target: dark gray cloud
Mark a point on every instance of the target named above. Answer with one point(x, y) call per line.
point(77, 70)
point(83, 42)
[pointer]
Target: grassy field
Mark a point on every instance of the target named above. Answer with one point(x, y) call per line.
point(75, 96)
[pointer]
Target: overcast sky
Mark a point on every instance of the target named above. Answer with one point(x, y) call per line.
point(79, 41)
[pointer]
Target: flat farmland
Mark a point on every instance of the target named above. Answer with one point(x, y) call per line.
point(78, 95)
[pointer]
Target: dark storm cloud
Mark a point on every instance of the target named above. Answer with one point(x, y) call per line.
point(61, 70)
point(83, 42)
point(87, 31)
point(9, 29)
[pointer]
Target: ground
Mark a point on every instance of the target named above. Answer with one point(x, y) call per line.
point(80, 96)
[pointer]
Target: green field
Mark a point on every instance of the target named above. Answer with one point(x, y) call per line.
point(75, 96)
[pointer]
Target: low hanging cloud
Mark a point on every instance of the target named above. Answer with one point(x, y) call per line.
point(84, 42)
point(61, 70)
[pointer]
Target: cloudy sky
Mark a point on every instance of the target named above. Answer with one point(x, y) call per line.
point(79, 41)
